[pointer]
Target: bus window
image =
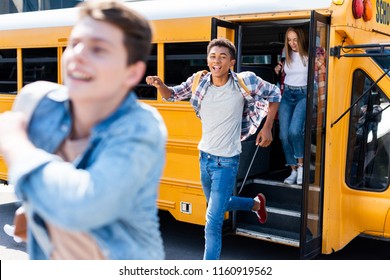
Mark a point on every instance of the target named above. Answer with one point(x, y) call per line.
point(39, 64)
point(8, 73)
point(383, 61)
point(143, 90)
point(184, 59)
point(368, 154)
point(35, 5)
point(261, 64)
point(55, 4)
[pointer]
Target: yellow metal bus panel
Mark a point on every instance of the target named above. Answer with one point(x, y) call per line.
point(182, 30)
point(35, 37)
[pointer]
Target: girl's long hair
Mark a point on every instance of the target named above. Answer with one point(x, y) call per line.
point(302, 45)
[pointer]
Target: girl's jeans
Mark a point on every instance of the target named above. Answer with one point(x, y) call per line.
point(218, 177)
point(292, 114)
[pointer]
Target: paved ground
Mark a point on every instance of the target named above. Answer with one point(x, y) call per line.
point(185, 242)
point(9, 250)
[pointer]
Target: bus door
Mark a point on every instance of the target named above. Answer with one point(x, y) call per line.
point(295, 216)
point(251, 159)
point(312, 189)
point(231, 31)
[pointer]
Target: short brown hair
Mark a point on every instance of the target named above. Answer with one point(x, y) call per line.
point(223, 42)
point(136, 29)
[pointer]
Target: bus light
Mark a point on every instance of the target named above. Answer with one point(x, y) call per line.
point(367, 14)
point(362, 8)
point(357, 8)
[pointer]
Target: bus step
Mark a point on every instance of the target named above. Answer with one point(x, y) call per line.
point(279, 237)
point(279, 195)
point(284, 212)
point(279, 219)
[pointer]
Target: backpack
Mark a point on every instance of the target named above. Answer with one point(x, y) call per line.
point(199, 74)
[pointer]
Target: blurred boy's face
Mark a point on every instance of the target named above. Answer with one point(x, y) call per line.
point(95, 63)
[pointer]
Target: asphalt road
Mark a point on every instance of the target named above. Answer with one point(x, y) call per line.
point(9, 249)
point(186, 242)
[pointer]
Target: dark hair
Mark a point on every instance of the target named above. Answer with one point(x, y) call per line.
point(223, 42)
point(136, 29)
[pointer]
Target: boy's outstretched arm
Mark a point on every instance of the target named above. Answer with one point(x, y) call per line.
point(159, 84)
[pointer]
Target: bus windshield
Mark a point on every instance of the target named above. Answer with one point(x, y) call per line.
point(382, 61)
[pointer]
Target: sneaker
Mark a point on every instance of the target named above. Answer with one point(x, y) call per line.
point(299, 175)
point(9, 230)
point(292, 179)
point(262, 212)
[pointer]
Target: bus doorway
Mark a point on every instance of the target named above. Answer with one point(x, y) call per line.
point(294, 210)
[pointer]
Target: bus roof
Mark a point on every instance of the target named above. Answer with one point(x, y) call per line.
point(164, 9)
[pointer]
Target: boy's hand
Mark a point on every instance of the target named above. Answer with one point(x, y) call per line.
point(264, 138)
point(154, 81)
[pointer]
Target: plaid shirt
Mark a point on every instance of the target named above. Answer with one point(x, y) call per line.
point(256, 100)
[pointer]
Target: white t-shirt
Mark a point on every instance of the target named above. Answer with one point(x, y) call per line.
point(221, 115)
point(296, 72)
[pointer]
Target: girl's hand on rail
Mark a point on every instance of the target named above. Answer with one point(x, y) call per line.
point(278, 68)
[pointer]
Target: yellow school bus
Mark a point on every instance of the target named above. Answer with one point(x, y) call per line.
point(345, 192)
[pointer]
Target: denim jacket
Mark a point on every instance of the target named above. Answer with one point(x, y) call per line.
point(109, 191)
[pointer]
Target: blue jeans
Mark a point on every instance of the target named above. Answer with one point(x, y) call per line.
point(218, 177)
point(292, 115)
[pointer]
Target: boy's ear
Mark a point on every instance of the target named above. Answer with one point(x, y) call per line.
point(232, 62)
point(135, 73)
